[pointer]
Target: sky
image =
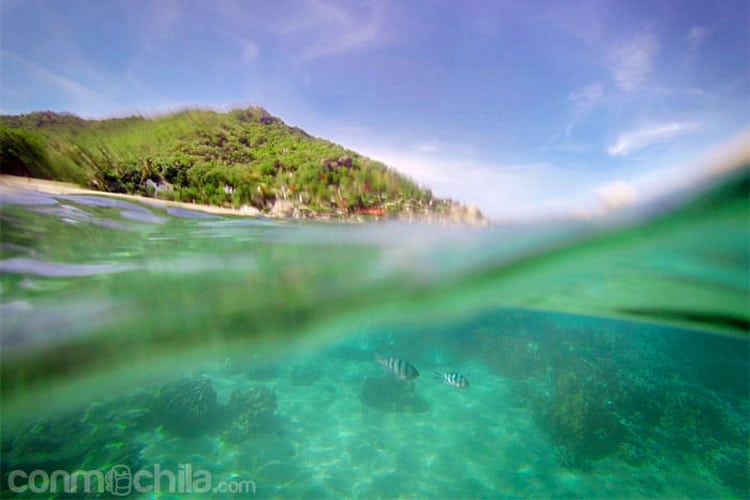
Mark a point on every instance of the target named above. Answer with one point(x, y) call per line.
point(524, 108)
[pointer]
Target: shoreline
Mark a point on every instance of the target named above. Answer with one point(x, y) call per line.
point(16, 183)
point(9, 183)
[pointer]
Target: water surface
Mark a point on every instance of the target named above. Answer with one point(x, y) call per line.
point(606, 359)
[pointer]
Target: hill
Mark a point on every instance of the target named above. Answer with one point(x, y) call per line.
point(244, 157)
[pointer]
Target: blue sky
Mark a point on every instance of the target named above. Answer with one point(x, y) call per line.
point(524, 108)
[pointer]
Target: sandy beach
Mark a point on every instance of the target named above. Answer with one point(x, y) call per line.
point(456, 214)
point(9, 183)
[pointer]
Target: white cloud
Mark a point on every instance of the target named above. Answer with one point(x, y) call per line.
point(730, 155)
point(607, 198)
point(617, 194)
point(631, 63)
point(327, 29)
point(635, 140)
point(502, 192)
point(588, 96)
point(532, 191)
point(582, 101)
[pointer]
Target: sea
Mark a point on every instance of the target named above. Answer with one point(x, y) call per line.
point(150, 351)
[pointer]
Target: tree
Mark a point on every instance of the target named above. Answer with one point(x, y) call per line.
point(23, 153)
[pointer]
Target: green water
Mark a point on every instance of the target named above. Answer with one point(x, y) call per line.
point(604, 359)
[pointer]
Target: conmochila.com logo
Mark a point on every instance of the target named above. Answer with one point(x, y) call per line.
point(120, 480)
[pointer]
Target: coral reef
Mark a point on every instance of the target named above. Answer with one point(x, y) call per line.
point(730, 463)
point(187, 407)
point(50, 443)
point(116, 432)
point(250, 410)
point(624, 399)
point(578, 416)
point(616, 393)
point(82, 439)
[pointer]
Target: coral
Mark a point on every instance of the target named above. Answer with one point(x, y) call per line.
point(85, 438)
point(607, 396)
point(187, 407)
point(51, 443)
point(578, 417)
point(731, 465)
point(250, 410)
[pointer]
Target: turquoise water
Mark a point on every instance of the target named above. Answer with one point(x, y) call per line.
point(603, 359)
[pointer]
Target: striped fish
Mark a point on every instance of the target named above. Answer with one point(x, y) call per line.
point(453, 378)
point(401, 369)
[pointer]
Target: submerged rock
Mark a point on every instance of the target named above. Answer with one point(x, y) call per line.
point(250, 410)
point(51, 443)
point(81, 439)
point(187, 407)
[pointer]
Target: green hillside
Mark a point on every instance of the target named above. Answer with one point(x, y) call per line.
point(242, 157)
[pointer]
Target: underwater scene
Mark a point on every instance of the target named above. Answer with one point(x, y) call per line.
point(152, 351)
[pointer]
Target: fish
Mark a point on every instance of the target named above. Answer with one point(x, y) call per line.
point(400, 368)
point(453, 378)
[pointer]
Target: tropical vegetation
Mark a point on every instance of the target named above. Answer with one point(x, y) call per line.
point(242, 157)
